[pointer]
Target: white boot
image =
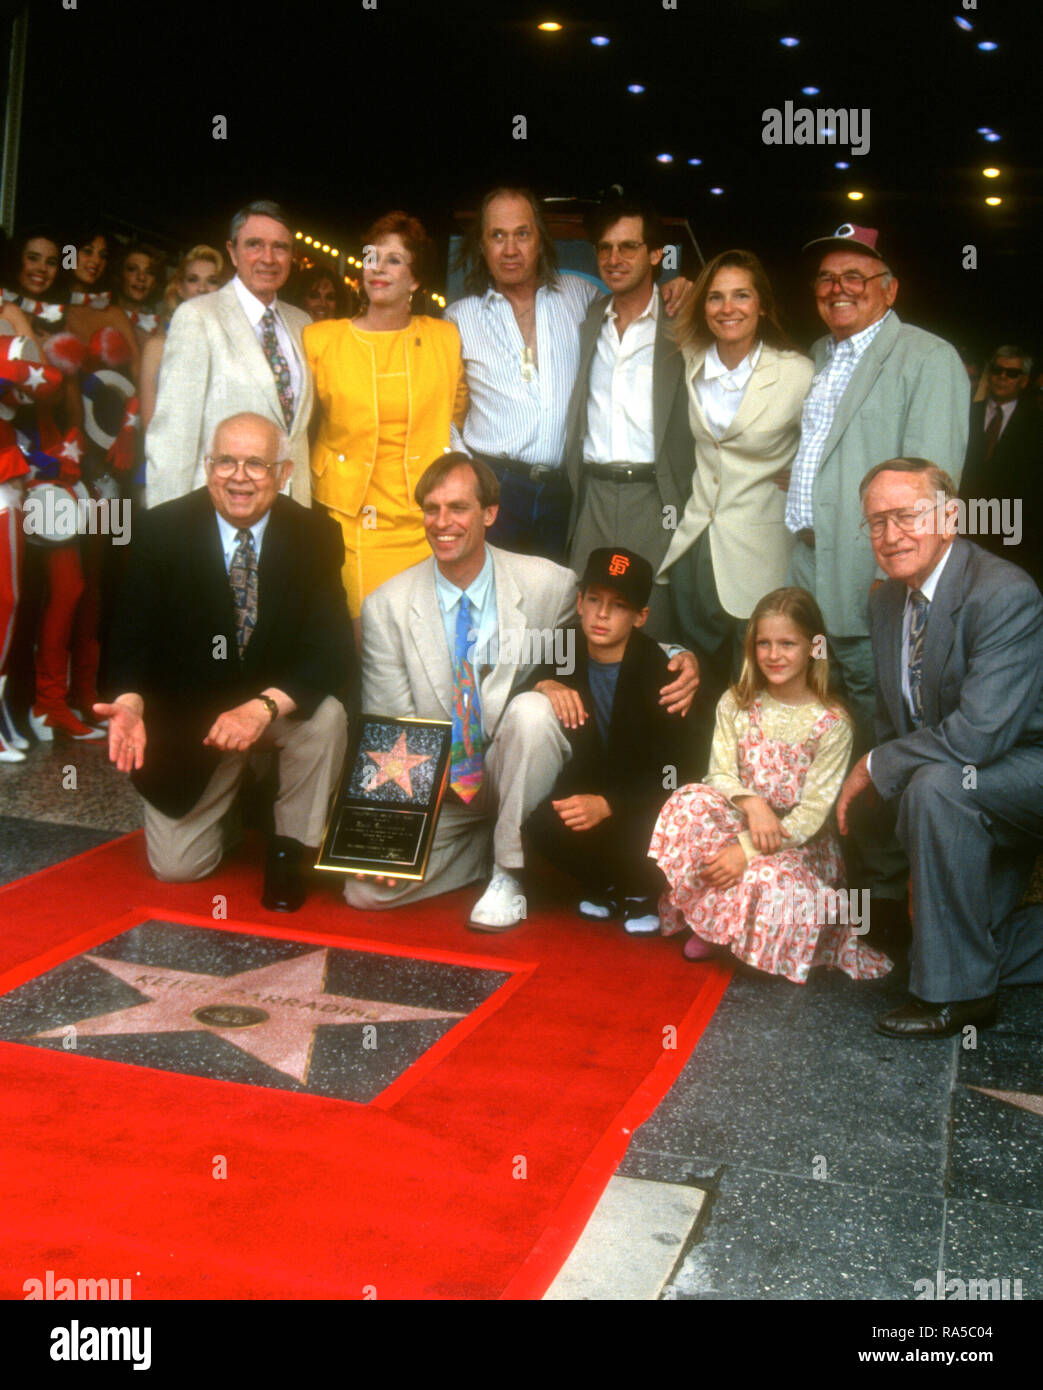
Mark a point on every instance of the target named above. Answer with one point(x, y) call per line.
point(502, 905)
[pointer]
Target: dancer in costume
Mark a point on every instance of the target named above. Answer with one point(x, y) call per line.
point(199, 271)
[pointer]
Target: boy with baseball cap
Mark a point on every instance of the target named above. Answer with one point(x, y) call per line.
point(627, 750)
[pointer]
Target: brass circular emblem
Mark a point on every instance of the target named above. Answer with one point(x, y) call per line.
point(229, 1016)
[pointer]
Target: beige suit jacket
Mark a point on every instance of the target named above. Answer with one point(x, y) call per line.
point(213, 366)
point(733, 495)
point(406, 664)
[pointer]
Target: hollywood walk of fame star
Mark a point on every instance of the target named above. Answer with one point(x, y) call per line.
point(1024, 1100)
point(395, 765)
point(271, 1012)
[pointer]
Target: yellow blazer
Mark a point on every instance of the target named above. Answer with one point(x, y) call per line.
point(342, 362)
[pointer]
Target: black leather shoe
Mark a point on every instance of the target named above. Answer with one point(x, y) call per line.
point(919, 1019)
point(284, 889)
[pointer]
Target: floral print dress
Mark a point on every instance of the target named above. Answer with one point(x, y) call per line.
point(780, 916)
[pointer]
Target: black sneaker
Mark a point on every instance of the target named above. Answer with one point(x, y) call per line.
point(641, 916)
point(599, 907)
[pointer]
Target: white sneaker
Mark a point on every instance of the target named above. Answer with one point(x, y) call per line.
point(501, 906)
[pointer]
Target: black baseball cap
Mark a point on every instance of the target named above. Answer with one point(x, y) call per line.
point(615, 567)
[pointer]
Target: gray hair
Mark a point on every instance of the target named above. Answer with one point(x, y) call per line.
point(936, 478)
point(282, 439)
point(1010, 350)
point(262, 207)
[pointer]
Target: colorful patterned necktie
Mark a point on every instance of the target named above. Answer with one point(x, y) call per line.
point(917, 629)
point(242, 575)
point(278, 364)
point(465, 776)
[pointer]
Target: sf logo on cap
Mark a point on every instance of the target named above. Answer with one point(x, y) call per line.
point(619, 564)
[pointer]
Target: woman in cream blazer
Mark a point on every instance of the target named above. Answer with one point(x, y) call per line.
point(746, 386)
point(388, 384)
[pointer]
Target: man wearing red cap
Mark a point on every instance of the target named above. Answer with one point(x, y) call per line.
point(883, 389)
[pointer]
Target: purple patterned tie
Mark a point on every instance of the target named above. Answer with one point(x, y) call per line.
point(278, 364)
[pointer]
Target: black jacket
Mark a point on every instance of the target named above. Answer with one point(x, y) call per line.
point(631, 770)
point(1015, 471)
point(173, 640)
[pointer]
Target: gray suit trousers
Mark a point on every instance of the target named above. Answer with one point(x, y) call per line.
point(971, 850)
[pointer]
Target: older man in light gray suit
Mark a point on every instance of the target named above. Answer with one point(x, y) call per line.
point(958, 640)
point(882, 388)
point(239, 351)
point(470, 626)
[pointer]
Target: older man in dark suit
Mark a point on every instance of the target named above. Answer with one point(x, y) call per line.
point(232, 632)
point(958, 644)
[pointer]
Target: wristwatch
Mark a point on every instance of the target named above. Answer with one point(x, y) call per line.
point(270, 706)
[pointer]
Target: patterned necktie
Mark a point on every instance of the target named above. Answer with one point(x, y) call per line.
point(465, 775)
point(242, 575)
point(917, 629)
point(278, 364)
point(992, 432)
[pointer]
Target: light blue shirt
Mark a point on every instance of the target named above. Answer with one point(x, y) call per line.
point(481, 595)
point(518, 411)
point(820, 406)
point(229, 536)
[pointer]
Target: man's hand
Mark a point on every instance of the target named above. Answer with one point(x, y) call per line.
point(766, 830)
point(676, 294)
point(725, 868)
point(583, 812)
point(376, 878)
point(238, 729)
point(857, 780)
point(679, 694)
point(565, 702)
point(126, 732)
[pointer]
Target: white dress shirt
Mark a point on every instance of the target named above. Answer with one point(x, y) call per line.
point(720, 389)
point(620, 428)
point(520, 411)
point(255, 311)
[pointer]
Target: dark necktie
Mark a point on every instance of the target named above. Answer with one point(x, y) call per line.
point(242, 576)
point(277, 362)
point(465, 775)
point(992, 432)
point(917, 629)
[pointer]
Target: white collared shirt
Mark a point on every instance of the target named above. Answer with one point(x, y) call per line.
point(620, 425)
point(515, 411)
point(255, 311)
point(230, 536)
point(720, 389)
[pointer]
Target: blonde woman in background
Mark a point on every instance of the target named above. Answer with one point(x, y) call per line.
point(199, 271)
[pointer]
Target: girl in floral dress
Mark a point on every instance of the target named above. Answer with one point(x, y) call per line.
point(751, 855)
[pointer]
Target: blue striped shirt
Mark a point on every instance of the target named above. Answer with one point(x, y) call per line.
point(509, 416)
point(820, 406)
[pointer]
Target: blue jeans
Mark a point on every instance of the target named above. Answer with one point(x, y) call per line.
point(534, 515)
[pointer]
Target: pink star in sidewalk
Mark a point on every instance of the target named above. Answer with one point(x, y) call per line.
point(395, 765)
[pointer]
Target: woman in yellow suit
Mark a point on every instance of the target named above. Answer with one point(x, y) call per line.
point(389, 384)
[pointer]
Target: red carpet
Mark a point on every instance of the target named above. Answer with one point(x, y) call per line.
point(470, 1177)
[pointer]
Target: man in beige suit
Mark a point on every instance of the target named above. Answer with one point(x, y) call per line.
point(507, 607)
point(239, 351)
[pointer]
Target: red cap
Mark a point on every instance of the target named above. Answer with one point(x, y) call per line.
point(849, 238)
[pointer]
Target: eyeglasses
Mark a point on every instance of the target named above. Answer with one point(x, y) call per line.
point(1012, 372)
point(851, 280)
point(907, 519)
point(225, 466)
point(627, 249)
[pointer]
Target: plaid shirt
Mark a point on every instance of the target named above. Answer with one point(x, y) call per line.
point(820, 406)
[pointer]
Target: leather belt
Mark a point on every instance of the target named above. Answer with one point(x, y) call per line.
point(535, 472)
point(622, 472)
point(808, 537)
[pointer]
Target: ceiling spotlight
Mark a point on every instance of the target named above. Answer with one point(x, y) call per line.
point(789, 43)
point(962, 23)
point(987, 46)
point(665, 158)
point(994, 202)
point(992, 137)
point(550, 26)
point(298, 235)
point(855, 196)
point(695, 161)
point(600, 41)
point(717, 192)
point(841, 164)
point(325, 247)
point(991, 173)
point(985, 130)
point(810, 91)
point(308, 240)
point(635, 89)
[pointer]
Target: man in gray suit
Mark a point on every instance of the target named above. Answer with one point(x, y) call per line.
point(882, 389)
point(958, 639)
point(465, 631)
point(239, 351)
point(629, 451)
